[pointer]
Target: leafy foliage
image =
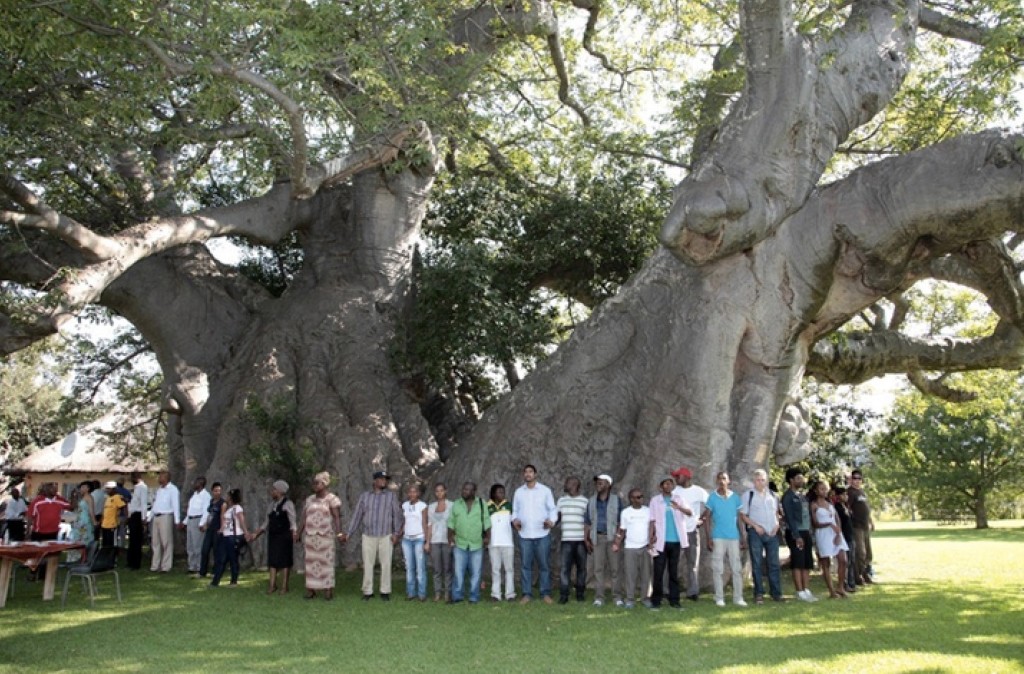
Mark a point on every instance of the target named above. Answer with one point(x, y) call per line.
point(283, 449)
point(502, 250)
point(34, 409)
point(954, 459)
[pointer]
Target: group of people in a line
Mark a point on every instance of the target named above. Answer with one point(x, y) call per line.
point(642, 550)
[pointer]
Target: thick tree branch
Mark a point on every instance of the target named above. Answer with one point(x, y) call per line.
point(801, 100)
point(853, 358)
point(938, 388)
point(47, 219)
point(265, 219)
point(953, 28)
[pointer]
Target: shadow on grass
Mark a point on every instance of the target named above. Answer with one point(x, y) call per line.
point(172, 624)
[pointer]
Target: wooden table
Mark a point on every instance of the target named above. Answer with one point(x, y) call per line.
point(32, 554)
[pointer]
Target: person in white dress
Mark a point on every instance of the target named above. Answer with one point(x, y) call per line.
point(828, 537)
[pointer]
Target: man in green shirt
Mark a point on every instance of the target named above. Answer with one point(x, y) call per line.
point(468, 532)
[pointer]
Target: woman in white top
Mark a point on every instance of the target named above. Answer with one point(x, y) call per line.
point(413, 538)
point(230, 538)
point(828, 537)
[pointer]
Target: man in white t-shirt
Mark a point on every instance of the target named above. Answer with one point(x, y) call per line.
point(696, 497)
point(502, 549)
point(636, 537)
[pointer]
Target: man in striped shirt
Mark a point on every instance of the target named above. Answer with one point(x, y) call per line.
point(572, 509)
point(380, 516)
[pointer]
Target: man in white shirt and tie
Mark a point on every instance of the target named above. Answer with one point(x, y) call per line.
point(197, 505)
point(165, 515)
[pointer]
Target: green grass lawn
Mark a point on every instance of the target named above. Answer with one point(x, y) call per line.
point(949, 599)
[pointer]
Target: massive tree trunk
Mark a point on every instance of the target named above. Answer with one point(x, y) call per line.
point(321, 352)
point(700, 365)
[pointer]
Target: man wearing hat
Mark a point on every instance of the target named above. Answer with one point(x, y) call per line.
point(380, 515)
point(112, 509)
point(696, 497)
point(600, 524)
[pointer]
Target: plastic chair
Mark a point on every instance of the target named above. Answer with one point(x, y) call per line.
point(99, 561)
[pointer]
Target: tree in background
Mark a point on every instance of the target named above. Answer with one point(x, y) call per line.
point(35, 408)
point(957, 460)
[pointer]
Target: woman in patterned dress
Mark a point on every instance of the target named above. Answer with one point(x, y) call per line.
point(82, 529)
point(321, 522)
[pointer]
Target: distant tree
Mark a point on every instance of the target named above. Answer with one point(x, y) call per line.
point(34, 407)
point(955, 458)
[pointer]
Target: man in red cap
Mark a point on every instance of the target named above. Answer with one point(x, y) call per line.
point(697, 498)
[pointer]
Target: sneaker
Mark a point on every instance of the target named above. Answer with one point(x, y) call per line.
point(759, 600)
point(628, 604)
point(367, 597)
point(548, 600)
point(719, 602)
point(740, 602)
point(526, 599)
point(619, 603)
point(647, 604)
point(599, 602)
point(385, 597)
point(677, 606)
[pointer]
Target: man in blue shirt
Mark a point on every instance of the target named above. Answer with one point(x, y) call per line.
point(723, 517)
point(533, 514)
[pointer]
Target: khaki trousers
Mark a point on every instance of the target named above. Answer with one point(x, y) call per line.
point(374, 548)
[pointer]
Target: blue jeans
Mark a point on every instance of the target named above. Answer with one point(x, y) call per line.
point(539, 549)
point(227, 554)
point(474, 561)
point(415, 568)
point(762, 548)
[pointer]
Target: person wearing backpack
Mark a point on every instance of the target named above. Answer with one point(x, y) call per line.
point(759, 511)
point(468, 532)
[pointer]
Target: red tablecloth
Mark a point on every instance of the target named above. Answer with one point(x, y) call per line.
point(32, 555)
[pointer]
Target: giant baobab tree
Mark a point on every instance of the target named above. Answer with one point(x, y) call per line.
point(132, 138)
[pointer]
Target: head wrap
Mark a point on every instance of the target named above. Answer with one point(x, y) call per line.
point(281, 486)
point(324, 477)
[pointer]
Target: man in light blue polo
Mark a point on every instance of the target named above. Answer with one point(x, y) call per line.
point(533, 515)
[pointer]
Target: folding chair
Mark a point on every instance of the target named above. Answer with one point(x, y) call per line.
point(98, 562)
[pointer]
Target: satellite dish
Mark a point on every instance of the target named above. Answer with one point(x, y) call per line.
point(68, 444)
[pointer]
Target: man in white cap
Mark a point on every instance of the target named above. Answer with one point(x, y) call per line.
point(600, 524)
point(113, 506)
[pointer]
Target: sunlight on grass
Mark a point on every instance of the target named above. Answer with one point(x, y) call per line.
point(950, 599)
point(886, 661)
